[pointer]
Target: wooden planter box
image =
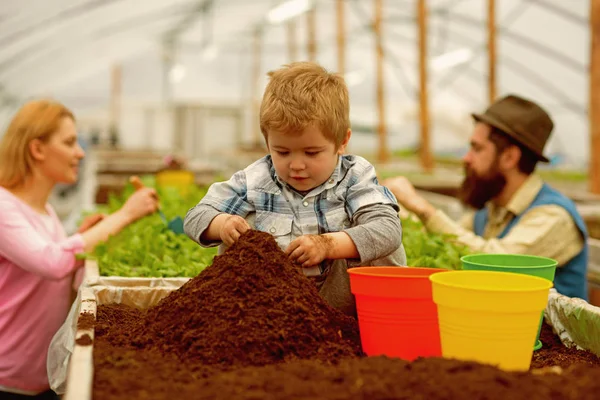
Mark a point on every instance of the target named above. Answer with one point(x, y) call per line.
point(80, 376)
point(594, 272)
point(65, 353)
point(576, 321)
point(93, 278)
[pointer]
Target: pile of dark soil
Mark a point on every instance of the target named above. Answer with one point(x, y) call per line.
point(251, 307)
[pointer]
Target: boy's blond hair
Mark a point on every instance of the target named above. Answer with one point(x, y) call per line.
point(303, 94)
point(37, 119)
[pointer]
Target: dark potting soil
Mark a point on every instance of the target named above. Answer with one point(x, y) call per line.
point(86, 320)
point(84, 340)
point(251, 307)
point(134, 374)
point(154, 376)
point(251, 326)
point(116, 323)
point(385, 378)
point(554, 353)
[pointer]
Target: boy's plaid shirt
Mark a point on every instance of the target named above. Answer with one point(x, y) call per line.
point(270, 205)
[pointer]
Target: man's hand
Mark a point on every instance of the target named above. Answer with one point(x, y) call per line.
point(232, 229)
point(309, 250)
point(408, 197)
point(90, 221)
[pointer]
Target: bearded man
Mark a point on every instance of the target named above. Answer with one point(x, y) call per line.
point(514, 210)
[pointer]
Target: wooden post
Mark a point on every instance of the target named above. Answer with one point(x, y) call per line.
point(492, 50)
point(594, 99)
point(291, 41)
point(115, 96)
point(341, 37)
point(383, 153)
point(310, 29)
point(255, 94)
point(424, 149)
point(168, 50)
point(113, 138)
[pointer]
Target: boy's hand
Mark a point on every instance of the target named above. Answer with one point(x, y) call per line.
point(232, 229)
point(309, 250)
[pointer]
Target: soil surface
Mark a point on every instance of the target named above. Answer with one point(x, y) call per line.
point(84, 340)
point(86, 320)
point(251, 326)
point(154, 376)
point(554, 353)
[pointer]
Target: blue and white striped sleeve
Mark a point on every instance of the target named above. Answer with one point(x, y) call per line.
point(364, 190)
point(228, 197)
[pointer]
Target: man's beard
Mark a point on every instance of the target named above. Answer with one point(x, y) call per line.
point(476, 190)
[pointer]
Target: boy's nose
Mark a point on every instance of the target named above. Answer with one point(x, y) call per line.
point(297, 164)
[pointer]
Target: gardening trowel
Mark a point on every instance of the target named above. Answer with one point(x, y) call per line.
point(175, 225)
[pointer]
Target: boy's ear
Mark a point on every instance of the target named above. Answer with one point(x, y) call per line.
point(344, 144)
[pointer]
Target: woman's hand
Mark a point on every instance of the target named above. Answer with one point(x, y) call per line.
point(142, 202)
point(90, 221)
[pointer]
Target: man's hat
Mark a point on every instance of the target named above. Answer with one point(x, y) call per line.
point(521, 119)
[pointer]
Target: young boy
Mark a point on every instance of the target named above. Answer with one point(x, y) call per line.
point(319, 205)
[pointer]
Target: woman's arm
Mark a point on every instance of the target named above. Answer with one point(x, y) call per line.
point(23, 245)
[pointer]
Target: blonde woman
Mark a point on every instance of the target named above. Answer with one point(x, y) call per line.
point(37, 260)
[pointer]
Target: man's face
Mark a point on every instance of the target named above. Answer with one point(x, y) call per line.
point(483, 178)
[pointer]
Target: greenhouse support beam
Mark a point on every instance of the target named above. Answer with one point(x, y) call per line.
point(594, 99)
point(292, 42)
point(492, 50)
point(383, 154)
point(256, 79)
point(167, 63)
point(196, 10)
point(425, 147)
point(341, 37)
point(396, 65)
point(116, 79)
point(311, 22)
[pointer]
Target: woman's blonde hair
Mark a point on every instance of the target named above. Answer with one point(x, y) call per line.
point(37, 119)
point(302, 94)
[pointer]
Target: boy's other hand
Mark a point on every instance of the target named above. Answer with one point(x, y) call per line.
point(232, 229)
point(309, 250)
